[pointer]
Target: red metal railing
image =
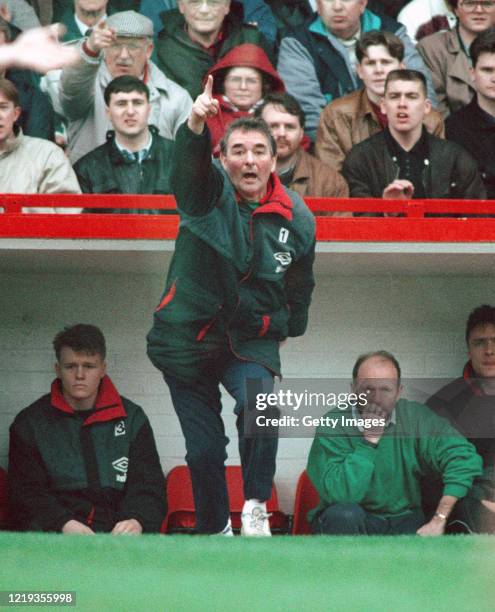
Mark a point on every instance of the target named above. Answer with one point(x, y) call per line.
point(411, 226)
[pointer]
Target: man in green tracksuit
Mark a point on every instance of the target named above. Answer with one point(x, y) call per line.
point(367, 470)
point(239, 283)
point(82, 458)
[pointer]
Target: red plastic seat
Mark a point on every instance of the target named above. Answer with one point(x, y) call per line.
point(181, 516)
point(306, 498)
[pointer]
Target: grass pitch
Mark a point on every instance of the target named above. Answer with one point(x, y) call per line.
point(186, 573)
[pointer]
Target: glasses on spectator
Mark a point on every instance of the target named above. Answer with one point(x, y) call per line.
point(238, 81)
point(131, 47)
point(470, 5)
point(198, 3)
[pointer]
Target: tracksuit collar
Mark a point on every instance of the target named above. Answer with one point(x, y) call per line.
point(108, 404)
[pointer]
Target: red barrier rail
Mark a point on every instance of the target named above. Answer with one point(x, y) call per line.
point(411, 226)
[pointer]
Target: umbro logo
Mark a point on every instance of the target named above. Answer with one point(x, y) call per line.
point(121, 465)
point(284, 259)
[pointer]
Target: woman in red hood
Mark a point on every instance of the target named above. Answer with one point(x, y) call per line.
point(241, 79)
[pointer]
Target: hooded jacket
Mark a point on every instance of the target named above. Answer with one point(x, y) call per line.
point(246, 55)
point(186, 62)
point(97, 467)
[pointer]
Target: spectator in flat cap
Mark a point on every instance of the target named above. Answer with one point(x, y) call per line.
point(121, 45)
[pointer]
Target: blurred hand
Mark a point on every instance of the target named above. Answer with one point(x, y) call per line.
point(38, 49)
point(204, 106)
point(129, 527)
point(75, 527)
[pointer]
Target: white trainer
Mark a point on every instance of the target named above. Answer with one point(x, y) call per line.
point(255, 523)
point(226, 531)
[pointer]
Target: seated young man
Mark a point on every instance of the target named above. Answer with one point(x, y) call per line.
point(367, 469)
point(404, 161)
point(355, 117)
point(82, 458)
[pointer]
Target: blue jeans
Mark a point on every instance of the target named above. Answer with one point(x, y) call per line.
point(198, 406)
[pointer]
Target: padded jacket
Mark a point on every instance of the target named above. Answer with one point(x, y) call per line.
point(107, 170)
point(97, 469)
point(241, 277)
point(186, 62)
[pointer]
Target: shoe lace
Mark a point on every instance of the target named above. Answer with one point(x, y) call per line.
point(257, 520)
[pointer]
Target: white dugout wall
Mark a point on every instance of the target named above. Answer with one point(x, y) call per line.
point(412, 300)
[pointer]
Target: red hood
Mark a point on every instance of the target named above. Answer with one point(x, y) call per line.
point(246, 55)
point(469, 376)
point(276, 199)
point(108, 402)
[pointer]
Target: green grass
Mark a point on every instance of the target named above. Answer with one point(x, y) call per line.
point(285, 573)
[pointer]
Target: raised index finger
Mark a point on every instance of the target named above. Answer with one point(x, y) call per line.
point(209, 86)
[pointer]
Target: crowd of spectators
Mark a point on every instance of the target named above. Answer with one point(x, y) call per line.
point(330, 57)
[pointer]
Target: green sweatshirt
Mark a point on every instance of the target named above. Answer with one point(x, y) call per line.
point(385, 478)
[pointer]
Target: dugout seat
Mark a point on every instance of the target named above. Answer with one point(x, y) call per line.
point(306, 498)
point(3, 499)
point(181, 517)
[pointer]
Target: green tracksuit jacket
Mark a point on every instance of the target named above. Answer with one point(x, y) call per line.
point(241, 277)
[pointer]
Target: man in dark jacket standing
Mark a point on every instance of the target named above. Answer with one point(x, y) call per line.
point(82, 459)
point(404, 161)
point(135, 158)
point(239, 283)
